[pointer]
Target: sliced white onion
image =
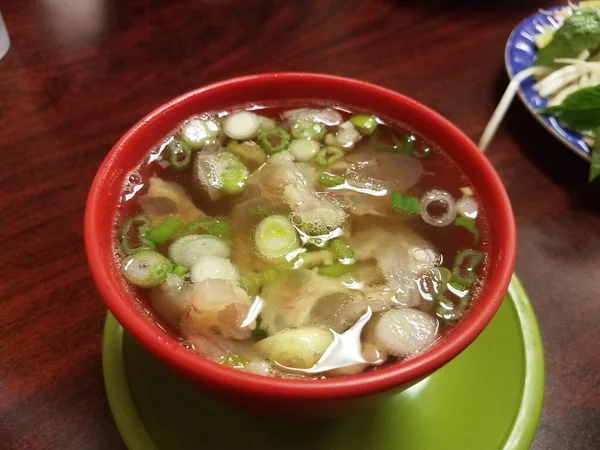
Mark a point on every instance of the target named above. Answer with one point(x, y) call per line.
point(187, 249)
point(405, 331)
point(213, 267)
point(282, 158)
point(347, 138)
point(295, 114)
point(437, 195)
point(241, 125)
point(329, 116)
point(196, 132)
point(467, 207)
point(297, 348)
point(304, 149)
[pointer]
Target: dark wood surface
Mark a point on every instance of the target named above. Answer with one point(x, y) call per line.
point(80, 73)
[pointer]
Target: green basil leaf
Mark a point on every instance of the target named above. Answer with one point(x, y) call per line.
point(579, 32)
point(579, 111)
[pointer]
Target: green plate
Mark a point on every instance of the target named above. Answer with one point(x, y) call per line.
point(489, 397)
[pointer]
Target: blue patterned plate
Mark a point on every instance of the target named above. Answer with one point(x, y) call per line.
point(519, 54)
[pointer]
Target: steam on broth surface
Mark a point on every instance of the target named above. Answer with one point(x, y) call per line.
point(303, 243)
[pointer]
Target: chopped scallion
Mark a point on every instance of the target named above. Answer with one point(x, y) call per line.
point(449, 311)
point(341, 249)
point(465, 264)
point(336, 270)
point(274, 140)
point(208, 225)
point(275, 237)
point(406, 203)
point(195, 132)
point(233, 173)
point(143, 225)
point(365, 124)
point(180, 154)
point(146, 268)
point(308, 129)
point(328, 155)
point(180, 270)
point(329, 180)
point(164, 230)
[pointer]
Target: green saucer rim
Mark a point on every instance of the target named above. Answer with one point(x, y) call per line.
point(135, 434)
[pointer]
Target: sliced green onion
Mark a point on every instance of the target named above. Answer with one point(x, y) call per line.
point(143, 225)
point(274, 140)
point(329, 180)
point(328, 155)
point(180, 270)
point(304, 149)
point(163, 231)
point(469, 224)
point(233, 173)
point(180, 154)
point(275, 237)
point(208, 225)
point(195, 132)
point(308, 129)
point(448, 310)
point(341, 249)
point(406, 203)
point(146, 268)
point(336, 270)
point(408, 144)
point(365, 124)
point(465, 264)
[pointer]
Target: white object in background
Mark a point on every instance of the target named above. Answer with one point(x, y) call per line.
point(4, 40)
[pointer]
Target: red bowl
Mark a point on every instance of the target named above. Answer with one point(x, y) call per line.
point(281, 396)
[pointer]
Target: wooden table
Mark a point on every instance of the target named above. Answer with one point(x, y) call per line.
point(80, 73)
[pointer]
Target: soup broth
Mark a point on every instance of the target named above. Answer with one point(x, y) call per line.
point(303, 243)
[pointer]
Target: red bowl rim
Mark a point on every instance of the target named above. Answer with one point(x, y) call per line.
point(223, 378)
